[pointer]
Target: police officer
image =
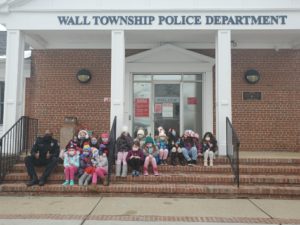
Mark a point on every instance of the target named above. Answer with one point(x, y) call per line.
point(44, 152)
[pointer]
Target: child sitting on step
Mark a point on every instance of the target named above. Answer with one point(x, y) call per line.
point(150, 153)
point(135, 158)
point(123, 145)
point(209, 148)
point(100, 163)
point(86, 168)
point(162, 145)
point(174, 147)
point(71, 164)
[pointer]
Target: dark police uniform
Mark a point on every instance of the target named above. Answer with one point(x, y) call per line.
point(43, 145)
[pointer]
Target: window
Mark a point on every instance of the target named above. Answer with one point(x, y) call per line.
point(1, 101)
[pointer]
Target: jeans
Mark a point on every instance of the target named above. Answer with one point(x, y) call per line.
point(190, 154)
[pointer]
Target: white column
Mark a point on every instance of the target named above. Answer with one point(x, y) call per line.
point(117, 78)
point(14, 79)
point(223, 86)
point(207, 110)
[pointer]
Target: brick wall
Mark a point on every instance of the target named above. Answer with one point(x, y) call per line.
point(273, 123)
point(53, 91)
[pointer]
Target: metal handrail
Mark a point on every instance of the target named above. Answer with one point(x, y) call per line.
point(19, 138)
point(111, 154)
point(232, 150)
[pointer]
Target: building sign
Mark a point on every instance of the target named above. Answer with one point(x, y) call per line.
point(157, 108)
point(192, 101)
point(141, 107)
point(167, 110)
point(251, 95)
point(166, 99)
point(172, 20)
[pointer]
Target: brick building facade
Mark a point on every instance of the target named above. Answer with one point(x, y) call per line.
point(272, 123)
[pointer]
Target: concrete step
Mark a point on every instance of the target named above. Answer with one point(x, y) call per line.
point(158, 190)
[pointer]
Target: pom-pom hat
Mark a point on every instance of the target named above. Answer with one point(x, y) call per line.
point(149, 140)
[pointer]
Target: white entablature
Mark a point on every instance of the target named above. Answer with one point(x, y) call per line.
point(169, 5)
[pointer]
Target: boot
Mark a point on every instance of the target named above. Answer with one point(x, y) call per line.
point(118, 170)
point(205, 163)
point(87, 180)
point(82, 179)
point(155, 171)
point(173, 158)
point(146, 171)
point(34, 180)
point(211, 162)
point(181, 159)
point(124, 170)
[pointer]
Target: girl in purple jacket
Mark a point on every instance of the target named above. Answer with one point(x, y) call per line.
point(135, 158)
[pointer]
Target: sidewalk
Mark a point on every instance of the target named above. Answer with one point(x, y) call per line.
point(125, 211)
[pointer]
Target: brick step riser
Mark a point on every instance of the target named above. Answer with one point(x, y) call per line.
point(186, 169)
point(157, 192)
point(167, 179)
point(151, 195)
point(169, 169)
point(242, 161)
point(151, 179)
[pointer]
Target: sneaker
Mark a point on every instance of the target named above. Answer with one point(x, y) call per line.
point(137, 173)
point(190, 163)
point(71, 182)
point(146, 174)
point(156, 174)
point(66, 183)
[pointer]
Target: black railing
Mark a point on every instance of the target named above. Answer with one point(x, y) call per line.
point(18, 139)
point(233, 146)
point(111, 154)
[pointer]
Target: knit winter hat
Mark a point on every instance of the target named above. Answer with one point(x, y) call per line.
point(95, 151)
point(71, 148)
point(124, 129)
point(149, 140)
point(141, 132)
point(104, 137)
point(83, 134)
point(162, 133)
point(160, 128)
point(86, 148)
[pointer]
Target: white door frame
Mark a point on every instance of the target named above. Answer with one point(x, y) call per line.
point(193, 63)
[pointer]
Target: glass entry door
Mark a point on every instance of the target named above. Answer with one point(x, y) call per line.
point(167, 106)
point(170, 101)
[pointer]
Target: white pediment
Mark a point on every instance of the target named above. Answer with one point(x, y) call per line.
point(169, 54)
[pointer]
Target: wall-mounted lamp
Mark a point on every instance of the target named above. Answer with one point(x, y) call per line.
point(84, 76)
point(252, 76)
point(233, 43)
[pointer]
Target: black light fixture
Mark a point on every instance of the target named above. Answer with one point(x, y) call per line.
point(84, 76)
point(252, 76)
